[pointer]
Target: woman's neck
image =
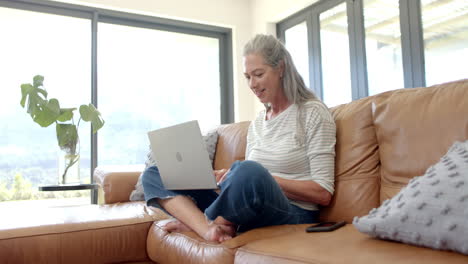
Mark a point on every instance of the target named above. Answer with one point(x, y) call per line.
point(276, 109)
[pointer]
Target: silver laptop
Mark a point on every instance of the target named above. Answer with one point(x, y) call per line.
point(182, 158)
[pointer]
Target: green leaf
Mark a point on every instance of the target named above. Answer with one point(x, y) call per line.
point(86, 112)
point(65, 114)
point(48, 113)
point(33, 97)
point(90, 114)
point(38, 81)
point(34, 100)
point(67, 137)
point(26, 89)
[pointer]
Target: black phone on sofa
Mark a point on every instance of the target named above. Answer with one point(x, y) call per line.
point(325, 226)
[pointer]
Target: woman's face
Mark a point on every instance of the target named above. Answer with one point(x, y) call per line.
point(264, 80)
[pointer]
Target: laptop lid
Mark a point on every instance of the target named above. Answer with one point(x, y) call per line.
point(182, 158)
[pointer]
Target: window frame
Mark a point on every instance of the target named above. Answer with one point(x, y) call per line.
point(96, 15)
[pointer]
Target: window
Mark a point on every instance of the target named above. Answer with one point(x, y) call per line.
point(158, 79)
point(367, 47)
point(142, 73)
point(335, 56)
point(383, 45)
point(58, 48)
point(445, 40)
point(296, 43)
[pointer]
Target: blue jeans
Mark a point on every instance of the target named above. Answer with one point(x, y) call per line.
point(249, 197)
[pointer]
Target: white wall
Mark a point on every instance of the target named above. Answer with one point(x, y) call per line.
point(266, 13)
point(244, 17)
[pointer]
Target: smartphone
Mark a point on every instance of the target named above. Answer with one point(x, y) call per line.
point(325, 226)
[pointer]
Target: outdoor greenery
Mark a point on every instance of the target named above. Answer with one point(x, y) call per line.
point(22, 189)
point(45, 112)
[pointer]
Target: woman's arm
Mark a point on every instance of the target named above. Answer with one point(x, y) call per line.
point(320, 139)
point(308, 191)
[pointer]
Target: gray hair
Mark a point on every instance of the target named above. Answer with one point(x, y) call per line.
point(273, 52)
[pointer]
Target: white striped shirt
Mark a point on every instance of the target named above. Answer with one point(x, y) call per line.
point(296, 145)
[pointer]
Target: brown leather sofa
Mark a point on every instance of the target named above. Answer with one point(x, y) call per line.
point(382, 142)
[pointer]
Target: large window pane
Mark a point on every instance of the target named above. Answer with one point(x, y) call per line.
point(58, 48)
point(383, 45)
point(445, 40)
point(335, 56)
point(296, 43)
point(150, 79)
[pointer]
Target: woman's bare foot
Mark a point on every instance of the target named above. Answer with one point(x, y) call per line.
point(220, 230)
point(176, 226)
point(219, 233)
point(216, 232)
point(227, 226)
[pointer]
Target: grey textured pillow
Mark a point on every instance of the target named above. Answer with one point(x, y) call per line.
point(431, 211)
point(211, 139)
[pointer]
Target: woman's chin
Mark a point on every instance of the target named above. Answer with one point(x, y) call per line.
point(262, 100)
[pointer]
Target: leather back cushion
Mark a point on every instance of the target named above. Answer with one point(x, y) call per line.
point(415, 127)
point(357, 171)
point(232, 140)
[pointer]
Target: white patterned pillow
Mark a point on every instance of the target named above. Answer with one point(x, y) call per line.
point(431, 211)
point(211, 139)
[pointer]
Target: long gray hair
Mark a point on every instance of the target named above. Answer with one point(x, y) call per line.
point(273, 52)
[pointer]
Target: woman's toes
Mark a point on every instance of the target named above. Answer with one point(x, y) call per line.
point(217, 234)
point(171, 226)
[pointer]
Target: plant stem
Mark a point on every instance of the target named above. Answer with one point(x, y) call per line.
point(64, 175)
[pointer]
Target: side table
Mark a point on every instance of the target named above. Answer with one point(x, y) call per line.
point(71, 187)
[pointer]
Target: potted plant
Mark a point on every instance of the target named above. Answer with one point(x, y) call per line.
point(46, 112)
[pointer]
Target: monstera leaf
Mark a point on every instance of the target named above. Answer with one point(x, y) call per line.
point(33, 97)
point(38, 80)
point(48, 113)
point(90, 114)
point(42, 111)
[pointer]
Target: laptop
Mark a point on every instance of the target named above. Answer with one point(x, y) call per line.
point(182, 158)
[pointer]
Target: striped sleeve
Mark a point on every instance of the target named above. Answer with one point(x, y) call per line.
point(320, 144)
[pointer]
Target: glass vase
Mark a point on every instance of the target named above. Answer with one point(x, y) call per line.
point(68, 167)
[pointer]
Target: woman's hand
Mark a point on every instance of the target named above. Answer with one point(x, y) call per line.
point(220, 175)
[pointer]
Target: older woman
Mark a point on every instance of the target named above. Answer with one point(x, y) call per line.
point(289, 166)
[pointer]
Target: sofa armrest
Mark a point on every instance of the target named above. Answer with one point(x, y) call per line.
point(116, 182)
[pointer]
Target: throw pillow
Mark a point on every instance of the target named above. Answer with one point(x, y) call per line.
point(211, 139)
point(431, 211)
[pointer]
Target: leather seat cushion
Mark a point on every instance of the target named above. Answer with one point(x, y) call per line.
point(345, 245)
